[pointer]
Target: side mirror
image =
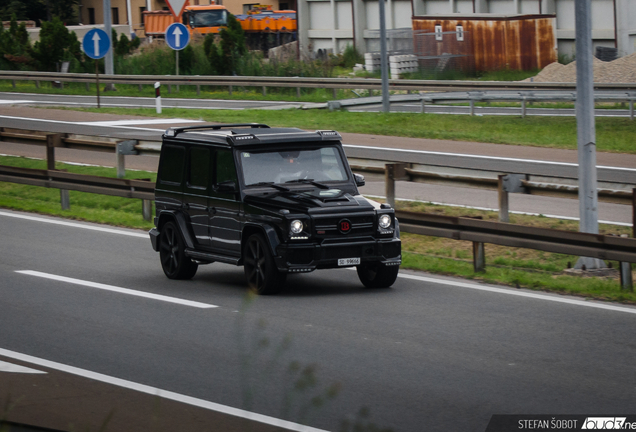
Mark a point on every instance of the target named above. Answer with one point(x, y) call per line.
point(227, 187)
point(359, 179)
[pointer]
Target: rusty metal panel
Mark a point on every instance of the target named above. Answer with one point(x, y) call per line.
point(518, 42)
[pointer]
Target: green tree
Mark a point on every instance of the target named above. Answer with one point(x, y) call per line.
point(56, 44)
point(15, 48)
point(232, 45)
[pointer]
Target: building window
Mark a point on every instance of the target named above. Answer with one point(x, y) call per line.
point(438, 33)
point(91, 15)
point(115, 15)
point(460, 33)
point(143, 17)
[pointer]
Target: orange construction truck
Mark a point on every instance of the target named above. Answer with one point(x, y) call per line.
point(198, 19)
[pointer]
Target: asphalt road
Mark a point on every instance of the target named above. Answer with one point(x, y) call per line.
point(431, 353)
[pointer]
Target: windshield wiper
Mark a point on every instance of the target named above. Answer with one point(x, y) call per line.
point(272, 184)
point(309, 181)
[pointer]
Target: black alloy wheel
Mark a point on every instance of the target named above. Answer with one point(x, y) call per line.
point(260, 270)
point(175, 264)
point(377, 275)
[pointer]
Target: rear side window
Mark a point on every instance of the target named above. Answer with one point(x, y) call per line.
point(225, 169)
point(199, 173)
point(172, 163)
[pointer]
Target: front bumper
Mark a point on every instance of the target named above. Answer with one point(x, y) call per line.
point(297, 258)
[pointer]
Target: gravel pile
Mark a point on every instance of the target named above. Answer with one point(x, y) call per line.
point(621, 70)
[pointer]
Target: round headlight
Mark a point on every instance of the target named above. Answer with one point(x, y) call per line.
point(384, 221)
point(296, 226)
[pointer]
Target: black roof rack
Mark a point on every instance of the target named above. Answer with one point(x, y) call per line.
point(173, 132)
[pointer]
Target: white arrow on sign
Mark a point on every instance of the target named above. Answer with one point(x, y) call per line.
point(177, 36)
point(96, 40)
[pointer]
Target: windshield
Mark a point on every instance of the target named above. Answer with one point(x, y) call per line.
point(319, 165)
point(211, 18)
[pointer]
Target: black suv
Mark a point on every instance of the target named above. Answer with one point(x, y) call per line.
point(274, 200)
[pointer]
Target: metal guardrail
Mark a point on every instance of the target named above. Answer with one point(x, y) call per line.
point(480, 232)
point(302, 82)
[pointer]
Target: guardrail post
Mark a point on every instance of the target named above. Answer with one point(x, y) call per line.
point(65, 200)
point(88, 86)
point(37, 84)
point(264, 91)
point(523, 107)
point(124, 148)
point(393, 172)
point(198, 90)
point(472, 106)
point(146, 209)
point(52, 141)
point(169, 88)
point(298, 92)
point(634, 212)
point(140, 88)
point(423, 107)
point(479, 257)
point(627, 282)
point(504, 203)
point(631, 109)
point(335, 93)
point(230, 90)
point(13, 83)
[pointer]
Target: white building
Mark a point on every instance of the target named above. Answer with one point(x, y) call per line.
point(332, 24)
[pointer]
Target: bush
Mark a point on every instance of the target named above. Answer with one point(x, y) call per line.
point(56, 44)
point(15, 48)
point(351, 56)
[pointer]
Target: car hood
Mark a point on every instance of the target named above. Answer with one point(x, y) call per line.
point(311, 201)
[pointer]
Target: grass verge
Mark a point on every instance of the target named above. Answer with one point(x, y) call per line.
point(612, 134)
point(510, 266)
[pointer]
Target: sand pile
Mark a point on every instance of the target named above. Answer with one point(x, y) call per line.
point(621, 70)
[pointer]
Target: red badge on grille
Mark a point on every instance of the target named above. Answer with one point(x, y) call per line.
point(344, 226)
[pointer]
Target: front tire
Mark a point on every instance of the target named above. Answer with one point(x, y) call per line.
point(260, 270)
point(174, 262)
point(377, 275)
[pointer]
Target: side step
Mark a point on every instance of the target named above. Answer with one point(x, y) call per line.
point(210, 257)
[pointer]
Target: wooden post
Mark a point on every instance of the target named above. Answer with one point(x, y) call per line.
point(479, 257)
point(504, 206)
point(52, 141)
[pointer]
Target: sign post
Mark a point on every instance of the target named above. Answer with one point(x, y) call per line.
point(177, 38)
point(96, 44)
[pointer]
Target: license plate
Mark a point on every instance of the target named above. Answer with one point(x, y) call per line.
point(348, 261)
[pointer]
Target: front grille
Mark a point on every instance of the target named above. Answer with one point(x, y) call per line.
point(360, 225)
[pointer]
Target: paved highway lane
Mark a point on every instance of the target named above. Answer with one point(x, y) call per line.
point(431, 353)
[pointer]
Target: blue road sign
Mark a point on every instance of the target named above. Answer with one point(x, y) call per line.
point(177, 36)
point(96, 43)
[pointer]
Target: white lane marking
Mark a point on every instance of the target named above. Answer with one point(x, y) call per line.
point(153, 391)
point(496, 210)
point(9, 102)
point(14, 368)
point(117, 289)
point(150, 98)
point(510, 291)
point(136, 122)
point(534, 161)
point(75, 225)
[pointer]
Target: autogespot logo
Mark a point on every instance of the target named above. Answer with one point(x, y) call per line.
point(607, 423)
